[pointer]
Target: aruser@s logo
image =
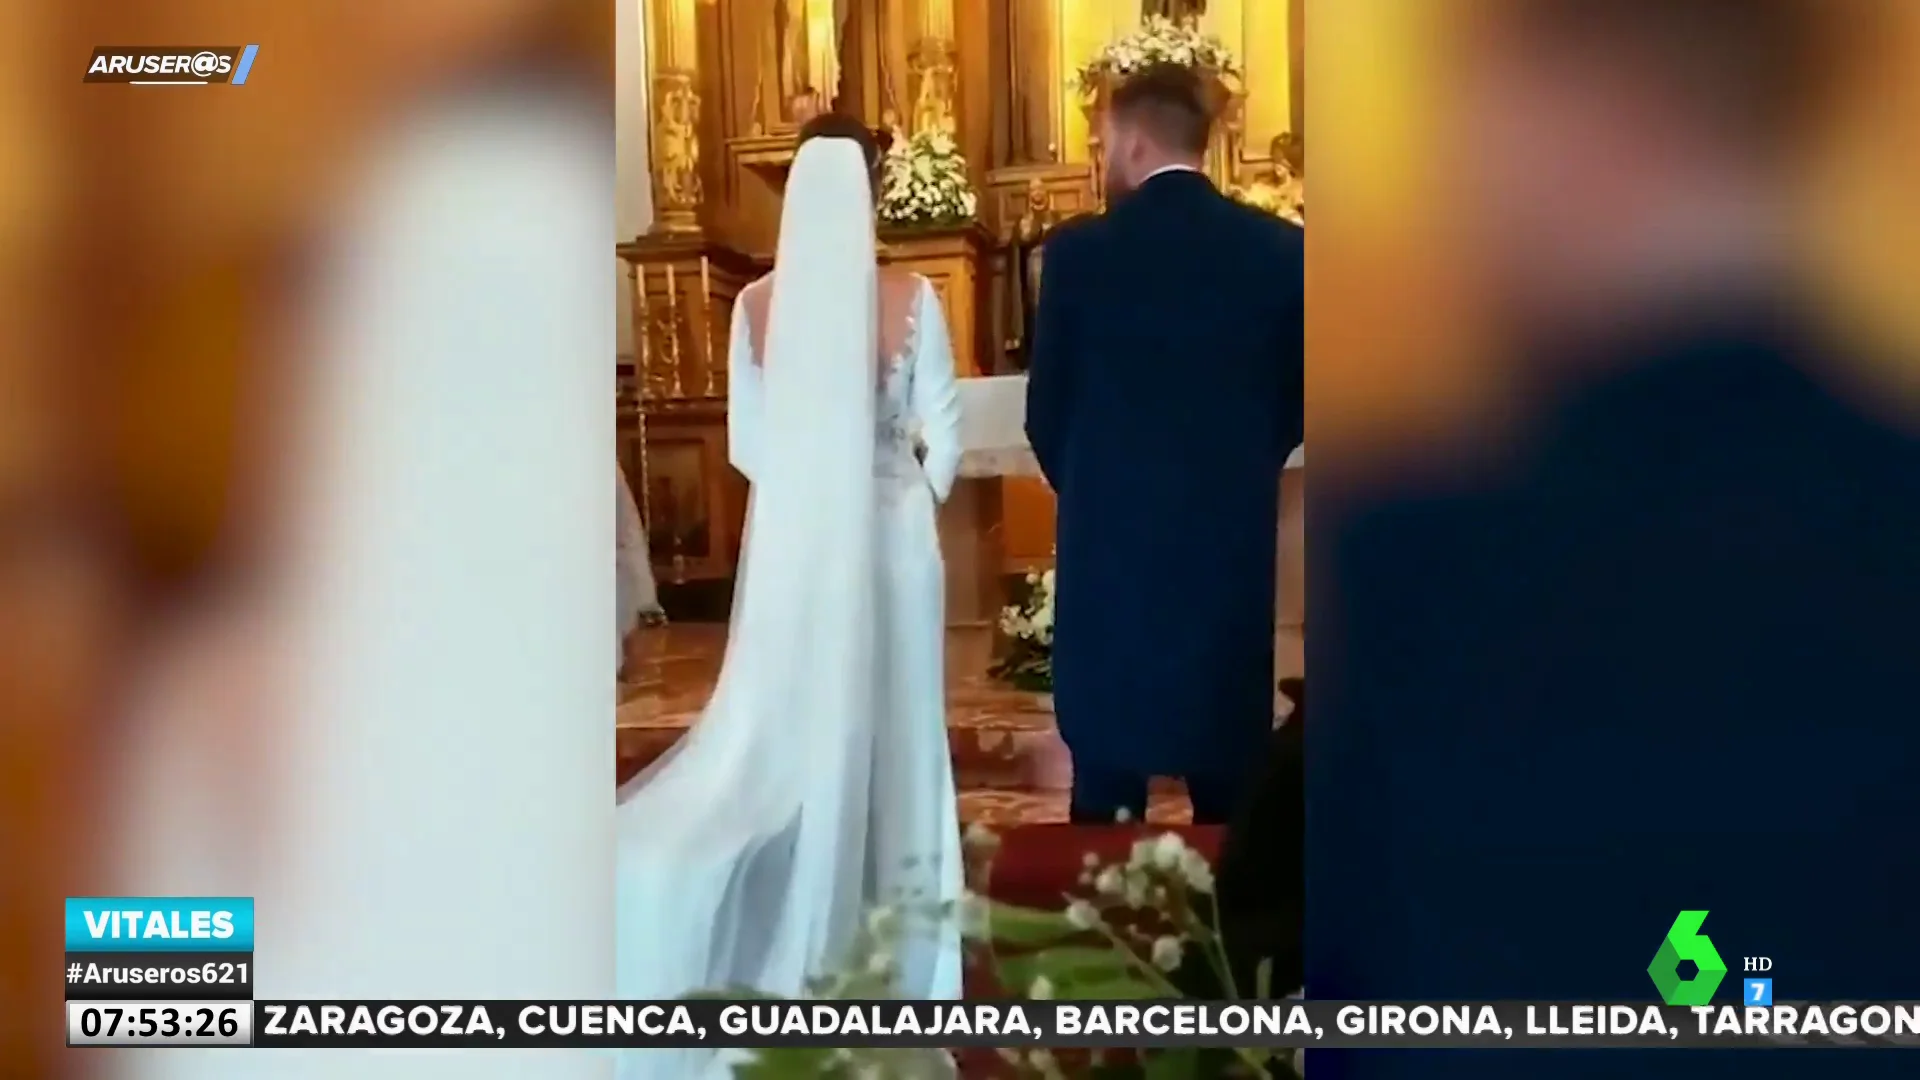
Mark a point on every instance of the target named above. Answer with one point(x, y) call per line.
point(1685, 942)
point(172, 65)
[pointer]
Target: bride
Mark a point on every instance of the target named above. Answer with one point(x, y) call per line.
point(817, 783)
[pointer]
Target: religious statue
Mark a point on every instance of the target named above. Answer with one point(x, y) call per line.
point(1023, 266)
point(1283, 190)
point(789, 51)
point(807, 39)
point(805, 106)
point(1176, 11)
point(1289, 173)
point(1290, 149)
point(933, 73)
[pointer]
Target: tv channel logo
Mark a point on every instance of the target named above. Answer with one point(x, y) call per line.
point(1685, 942)
point(172, 65)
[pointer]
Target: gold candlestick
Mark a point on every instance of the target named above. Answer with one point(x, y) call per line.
point(706, 329)
point(676, 386)
point(642, 327)
point(643, 379)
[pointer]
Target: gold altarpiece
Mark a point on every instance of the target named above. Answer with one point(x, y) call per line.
point(731, 81)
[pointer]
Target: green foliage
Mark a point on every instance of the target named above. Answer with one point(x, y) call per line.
point(1078, 973)
point(1011, 924)
point(1172, 1065)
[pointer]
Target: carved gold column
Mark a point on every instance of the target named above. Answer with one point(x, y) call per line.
point(932, 69)
point(673, 65)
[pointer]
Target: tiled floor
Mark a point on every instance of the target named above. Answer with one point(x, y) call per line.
point(1009, 763)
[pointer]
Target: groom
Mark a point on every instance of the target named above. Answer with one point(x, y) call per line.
point(1164, 395)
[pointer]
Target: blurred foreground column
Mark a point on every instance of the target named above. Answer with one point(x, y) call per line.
point(439, 819)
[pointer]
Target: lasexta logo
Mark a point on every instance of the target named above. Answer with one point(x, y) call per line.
point(1685, 942)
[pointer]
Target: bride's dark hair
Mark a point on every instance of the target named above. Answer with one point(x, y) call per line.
point(873, 145)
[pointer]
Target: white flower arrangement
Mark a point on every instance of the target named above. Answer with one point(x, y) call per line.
point(1126, 933)
point(924, 182)
point(1130, 928)
point(1158, 41)
point(1027, 627)
point(1273, 199)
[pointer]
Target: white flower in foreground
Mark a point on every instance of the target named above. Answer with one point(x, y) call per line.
point(1167, 952)
point(1082, 915)
point(976, 922)
point(1042, 1061)
point(1110, 882)
point(880, 963)
point(1041, 989)
point(1195, 870)
point(1162, 852)
point(978, 835)
point(882, 921)
point(1168, 851)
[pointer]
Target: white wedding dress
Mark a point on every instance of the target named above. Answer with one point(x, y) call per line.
point(818, 782)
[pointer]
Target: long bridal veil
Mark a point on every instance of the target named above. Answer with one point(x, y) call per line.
point(742, 855)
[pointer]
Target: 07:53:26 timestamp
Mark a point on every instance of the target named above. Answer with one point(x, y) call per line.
point(146, 1023)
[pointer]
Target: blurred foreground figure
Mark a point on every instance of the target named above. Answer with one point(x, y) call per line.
point(423, 812)
point(1655, 651)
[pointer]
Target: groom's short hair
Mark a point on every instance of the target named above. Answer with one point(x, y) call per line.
point(1171, 103)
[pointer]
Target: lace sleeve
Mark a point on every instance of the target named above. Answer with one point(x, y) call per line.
point(936, 394)
point(743, 394)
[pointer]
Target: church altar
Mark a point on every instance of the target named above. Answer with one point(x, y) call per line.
point(993, 429)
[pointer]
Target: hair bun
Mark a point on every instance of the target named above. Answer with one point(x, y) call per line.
point(833, 125)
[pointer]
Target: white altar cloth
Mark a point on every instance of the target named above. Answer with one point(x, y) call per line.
point(993, 423)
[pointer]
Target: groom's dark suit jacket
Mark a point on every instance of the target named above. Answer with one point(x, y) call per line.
point(1164, 396)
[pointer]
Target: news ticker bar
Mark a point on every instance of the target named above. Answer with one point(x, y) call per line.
point(159, 976)
point(958, 1024)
